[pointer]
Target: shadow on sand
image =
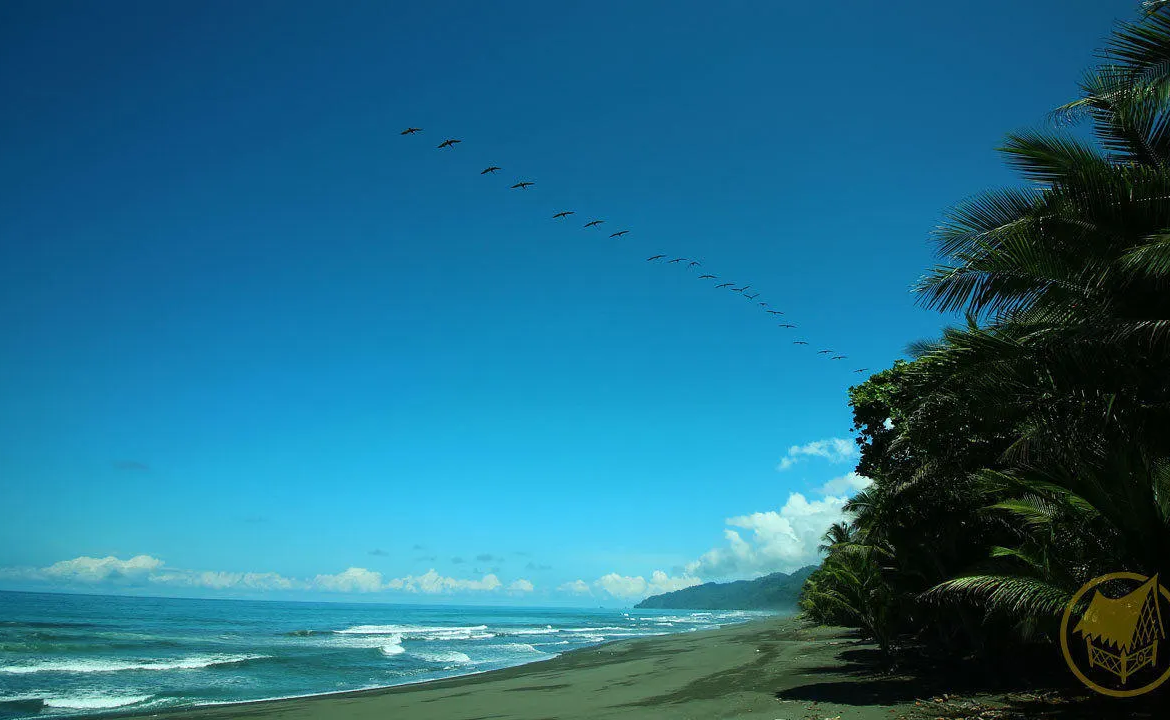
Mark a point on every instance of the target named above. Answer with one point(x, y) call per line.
point(1029, 686)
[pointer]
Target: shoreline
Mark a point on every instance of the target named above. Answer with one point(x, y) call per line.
point(739, 670)
point(379, 689)
point(774, 668)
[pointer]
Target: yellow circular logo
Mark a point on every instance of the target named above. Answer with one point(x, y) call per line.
point(1113, 647)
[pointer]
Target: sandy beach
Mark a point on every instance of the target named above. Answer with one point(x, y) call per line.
point(777, 668)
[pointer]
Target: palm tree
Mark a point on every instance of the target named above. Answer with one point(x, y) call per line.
point(1064, 285)
point(1027, 450)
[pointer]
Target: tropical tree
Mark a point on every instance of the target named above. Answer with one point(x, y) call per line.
point(1064, 286)
point(1028, 449)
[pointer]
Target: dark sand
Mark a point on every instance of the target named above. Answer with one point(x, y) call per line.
point(775, 669)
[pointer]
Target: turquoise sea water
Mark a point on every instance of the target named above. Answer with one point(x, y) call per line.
point(64, 655)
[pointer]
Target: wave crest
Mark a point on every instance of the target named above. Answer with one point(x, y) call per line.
point(451, 656)
point(195, 662)
point(546, 630)
point(421, 632)
point(94, 702)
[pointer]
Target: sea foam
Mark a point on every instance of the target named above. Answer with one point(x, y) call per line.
point(452, 656)
point(194, 662)
point(404, 629)
point(94, 702)
point(421, 632)
point(546, 630)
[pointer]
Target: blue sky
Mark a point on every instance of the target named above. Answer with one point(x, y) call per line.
point(249, 328)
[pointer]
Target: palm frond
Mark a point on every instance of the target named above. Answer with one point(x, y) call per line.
point(1017, 595)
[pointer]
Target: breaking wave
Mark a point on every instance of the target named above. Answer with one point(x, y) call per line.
point(421, 632)
point(194, 662)
point(451, 656)
point(94, 702)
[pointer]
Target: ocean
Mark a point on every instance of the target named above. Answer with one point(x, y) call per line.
point(63, 655)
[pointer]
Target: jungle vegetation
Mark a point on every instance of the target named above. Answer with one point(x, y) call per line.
point(1027, 450)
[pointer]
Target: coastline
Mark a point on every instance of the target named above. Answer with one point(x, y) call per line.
point(771, 665)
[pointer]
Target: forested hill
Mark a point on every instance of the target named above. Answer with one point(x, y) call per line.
point(778, 591)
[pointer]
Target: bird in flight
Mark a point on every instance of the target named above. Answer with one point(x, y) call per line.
point(776, 312)
point(656, 257)
point(838, 357)
point(524, 185)
point(823, 352)
point(449, 143)
point(763, 304)
point(491, 169)
point(410, 131)
point(860, 370)
point(745, 287)
point(752, 297)
point(704, 277)
point(786, 325)
point(593, 223)
point(677, 260)
point(619, 233)
point(562, 214)
point(694, 263)
point(724, 285)
point(799, 342)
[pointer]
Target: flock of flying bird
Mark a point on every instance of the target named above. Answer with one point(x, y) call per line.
point(564, 214)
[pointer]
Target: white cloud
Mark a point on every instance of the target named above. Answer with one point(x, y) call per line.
point(626, 587)
point(92, 570)
point(146, 569)
point(429, 583)
point(776, 541)
point(756, 544)
point(577, 587)
point(847, 485)
point(215, 580)
point(521, 586)
point(354, 579)
point(622, 586)
point(835, 450)
point(432, 583)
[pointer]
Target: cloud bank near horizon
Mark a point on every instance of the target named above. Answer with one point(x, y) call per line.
point(757, 543)
point(148, 571)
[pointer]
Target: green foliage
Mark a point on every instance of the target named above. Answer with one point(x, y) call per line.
point(778, 591)
point(1028, 449)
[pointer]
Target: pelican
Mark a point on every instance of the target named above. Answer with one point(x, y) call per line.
point(838, 357)
point(724, 285)
point(593, 223)
point(449, 143)
point(786, 325)
point(656, 257)
point(562, 214)
point(523, 185)
point(410, 131)
point(677, 260)
point(739, 290)
point(491, 169)
point(752, 297)
point(823, 352)
point(619, 233)
point(860, 370)
point(799, 342)
point(694, 263)
point(763, 304)
point(712, 277)
point(776, 312)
